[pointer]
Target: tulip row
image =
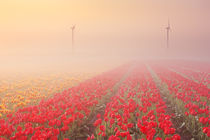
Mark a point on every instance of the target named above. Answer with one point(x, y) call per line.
point(191, 99)
point(18, 92)
point(137, 111)
point(63, 115)
point(198, 76)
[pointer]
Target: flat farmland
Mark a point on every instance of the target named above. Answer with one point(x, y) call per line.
point(150, 100)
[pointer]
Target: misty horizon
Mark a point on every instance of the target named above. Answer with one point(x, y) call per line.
point(37, 34)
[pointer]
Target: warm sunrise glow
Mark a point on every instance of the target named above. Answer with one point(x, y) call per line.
point(120, 29)
point(104, 69)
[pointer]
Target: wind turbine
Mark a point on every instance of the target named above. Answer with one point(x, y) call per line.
point(72, 31)
point(168, 29)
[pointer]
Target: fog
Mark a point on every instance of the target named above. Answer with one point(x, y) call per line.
point(35, 36)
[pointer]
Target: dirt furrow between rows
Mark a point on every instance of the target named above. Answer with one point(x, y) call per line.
point(178, 118)
point(89, 127)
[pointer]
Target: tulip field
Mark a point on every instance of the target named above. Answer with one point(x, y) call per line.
point(135, 101)
point(20, 91)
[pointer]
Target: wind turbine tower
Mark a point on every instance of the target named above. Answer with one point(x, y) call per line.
point(72, 31)
point(168, 29)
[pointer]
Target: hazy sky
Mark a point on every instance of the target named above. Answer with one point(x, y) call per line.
point(105, 27)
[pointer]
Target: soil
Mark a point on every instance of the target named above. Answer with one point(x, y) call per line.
point(88, 127)
point(178, 120)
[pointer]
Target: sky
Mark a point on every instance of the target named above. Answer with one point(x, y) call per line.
point(38, 31)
